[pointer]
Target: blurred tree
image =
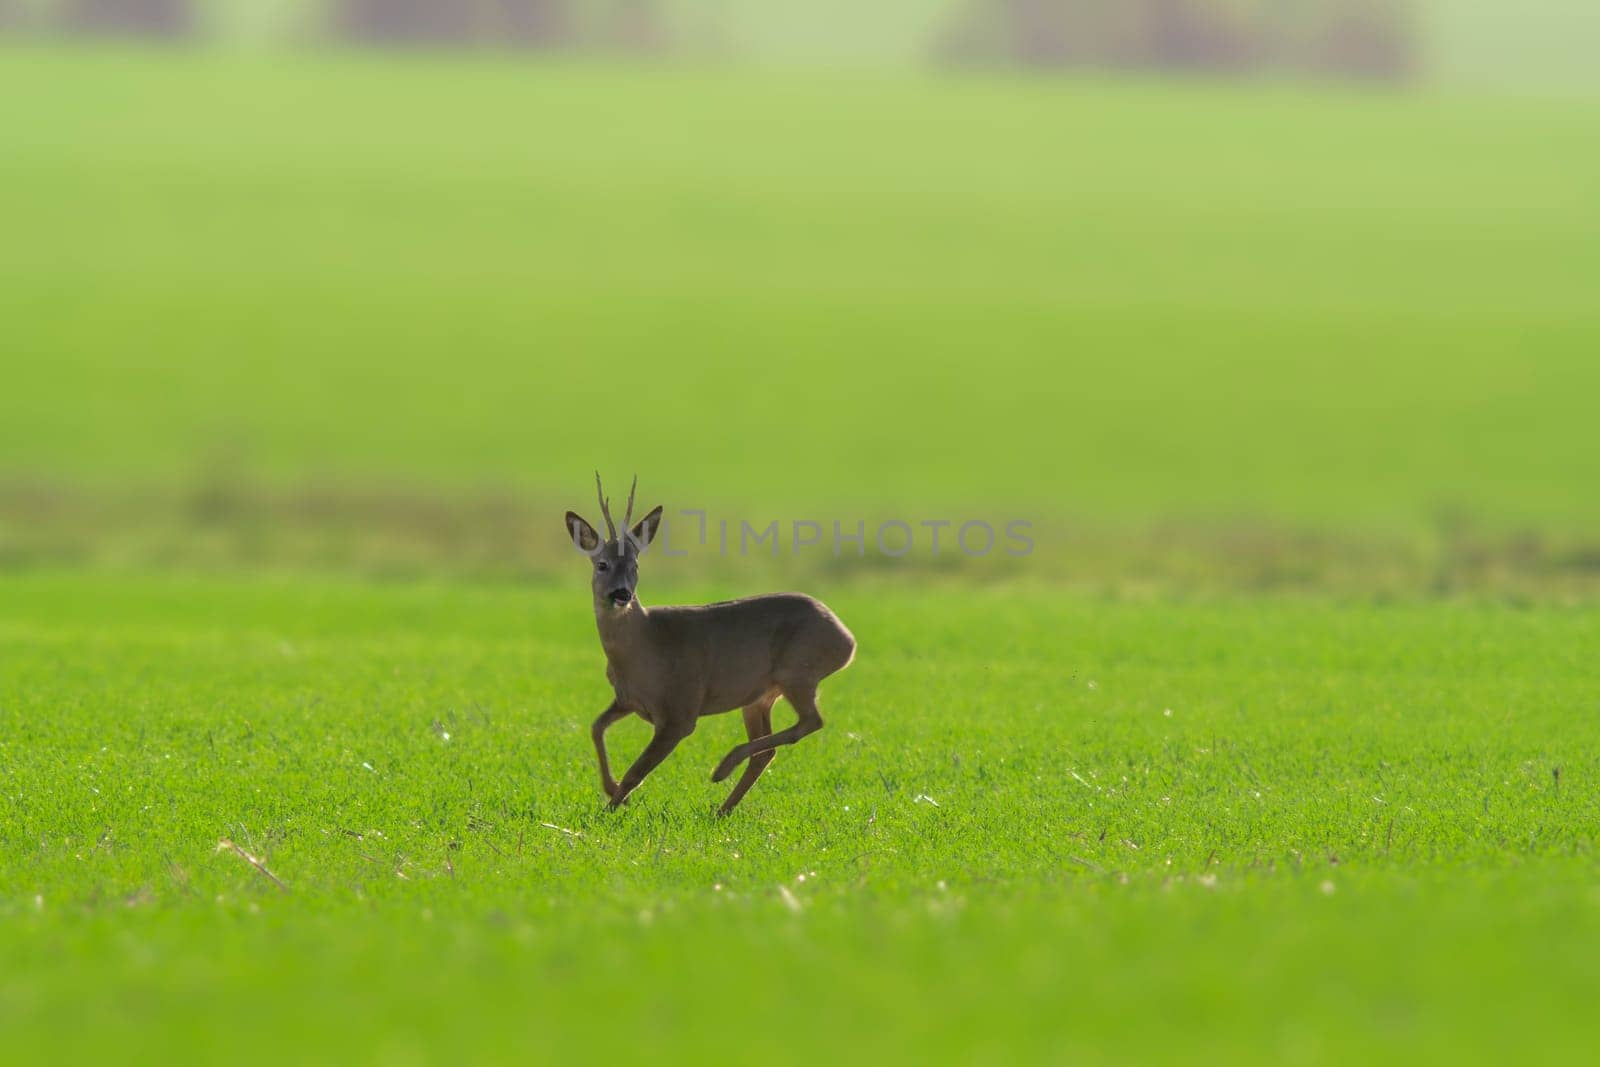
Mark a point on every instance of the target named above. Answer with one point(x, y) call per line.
point(537, 23)
point(1366, 39)
point(1369, 39)
point(144, 18)
point(401, 21)
point(1200, 35)
point(634, 26)
point(631, 25)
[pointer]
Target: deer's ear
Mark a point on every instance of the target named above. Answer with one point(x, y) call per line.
point(582, 533)
point(645, 531)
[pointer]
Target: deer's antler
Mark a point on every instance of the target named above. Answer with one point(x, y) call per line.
point(605, 508)
point(627, 519)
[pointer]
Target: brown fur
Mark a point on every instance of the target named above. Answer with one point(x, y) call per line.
point(673, 665)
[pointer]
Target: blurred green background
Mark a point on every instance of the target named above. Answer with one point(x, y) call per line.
point(294, 294)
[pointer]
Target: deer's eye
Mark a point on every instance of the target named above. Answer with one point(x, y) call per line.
point(602, 566)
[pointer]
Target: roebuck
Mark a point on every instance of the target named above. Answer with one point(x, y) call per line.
point(672, 665)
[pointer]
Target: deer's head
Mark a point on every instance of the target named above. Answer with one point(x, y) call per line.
point(615, 559)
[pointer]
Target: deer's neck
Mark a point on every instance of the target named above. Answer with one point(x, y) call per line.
point(623, 634)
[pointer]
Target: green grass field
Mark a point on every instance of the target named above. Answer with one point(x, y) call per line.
point(1037, 827)
point(1282, 747)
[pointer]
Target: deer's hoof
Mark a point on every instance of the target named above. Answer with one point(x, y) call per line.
point(725, 768)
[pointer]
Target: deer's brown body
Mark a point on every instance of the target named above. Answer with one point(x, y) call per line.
point(672, 665)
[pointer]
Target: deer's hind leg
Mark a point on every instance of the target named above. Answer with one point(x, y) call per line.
point(803, 697)
point(757, 724)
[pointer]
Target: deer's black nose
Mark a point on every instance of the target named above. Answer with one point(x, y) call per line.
point(620, 596)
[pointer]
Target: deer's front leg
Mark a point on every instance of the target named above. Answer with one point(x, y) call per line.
point(610, 716)
point(661, 745)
